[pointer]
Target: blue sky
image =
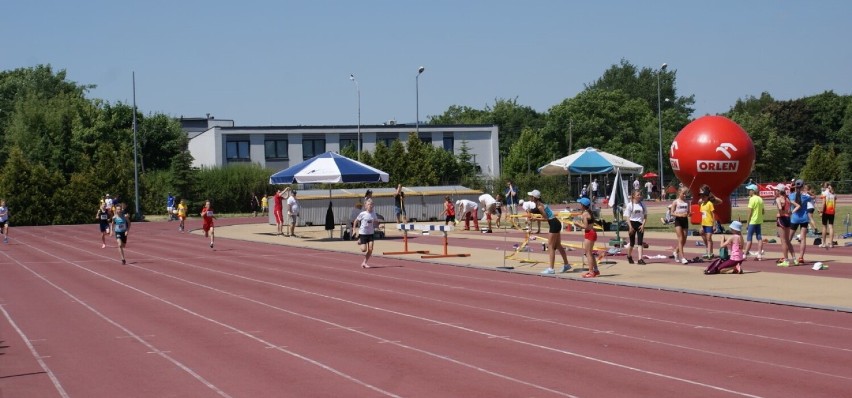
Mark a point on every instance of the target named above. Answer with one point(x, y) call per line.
point(288, 63)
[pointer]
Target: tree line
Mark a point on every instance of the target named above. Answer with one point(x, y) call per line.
point(59, 147)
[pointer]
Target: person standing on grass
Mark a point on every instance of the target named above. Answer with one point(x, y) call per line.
point(755, 220)
point(207, 217)
point(255, 204)
point(782, 220)
point(680, 211)
point(590, 236)
point(4, 220)
point(103, 219)
point(293, 213)
point(121, 227)
point(708, 221)
point(828, 209)
point(264, 205)
point(637, 215)
point(554, 240)
point(799, 218)
point(365, 225)
point(170, 206)
point(182, 210)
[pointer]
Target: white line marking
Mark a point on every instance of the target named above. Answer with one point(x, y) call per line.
point(35, 354)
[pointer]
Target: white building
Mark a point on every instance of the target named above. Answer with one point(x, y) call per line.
point(219, 142)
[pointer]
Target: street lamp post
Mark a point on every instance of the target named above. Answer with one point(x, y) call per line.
point(417, 92)
point(138, 215)
point(660, 126)
point(358, 91)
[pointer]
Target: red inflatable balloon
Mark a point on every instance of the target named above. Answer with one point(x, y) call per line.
point(713, 150)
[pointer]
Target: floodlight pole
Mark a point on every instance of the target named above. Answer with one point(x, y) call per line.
point(135, 155)
point(358, 91)
point(417, 93)
point(660, 126)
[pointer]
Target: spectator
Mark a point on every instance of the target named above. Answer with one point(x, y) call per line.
point(734, 243)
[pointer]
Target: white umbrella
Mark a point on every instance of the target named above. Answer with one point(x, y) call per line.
point(590, 161)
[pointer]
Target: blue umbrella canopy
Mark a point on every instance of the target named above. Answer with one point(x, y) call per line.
point(328, 168)
point(590, 161)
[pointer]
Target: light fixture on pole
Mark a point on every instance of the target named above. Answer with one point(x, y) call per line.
point(660, 126)
point(358, 91)
point(417, 91)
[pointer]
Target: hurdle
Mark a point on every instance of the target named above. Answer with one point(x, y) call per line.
point(444, 229)
point(405, 228)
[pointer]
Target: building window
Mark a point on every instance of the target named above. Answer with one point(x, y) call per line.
point(276, 149)
point(237, 151)
point(349, 140)
point(387, 139)
point(312, 147)
point(426, 138)
point(449, 144)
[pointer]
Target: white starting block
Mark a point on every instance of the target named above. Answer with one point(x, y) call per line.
point(405, 228)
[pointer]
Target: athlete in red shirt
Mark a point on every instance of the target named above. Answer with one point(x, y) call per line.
point(207, 217)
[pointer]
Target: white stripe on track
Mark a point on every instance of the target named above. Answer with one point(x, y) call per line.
point(36, 355)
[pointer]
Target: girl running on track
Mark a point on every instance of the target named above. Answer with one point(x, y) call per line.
point(181, 209)
point(121, 227)
point(366, 224)
point(4, 220)
point(207, 216)
point(103, 219)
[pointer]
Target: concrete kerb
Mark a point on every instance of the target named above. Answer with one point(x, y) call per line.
point(775, 288)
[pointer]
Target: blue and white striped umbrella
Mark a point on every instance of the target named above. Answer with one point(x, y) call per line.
point(328, 168)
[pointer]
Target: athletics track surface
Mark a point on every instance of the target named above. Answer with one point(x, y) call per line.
point(249, 319)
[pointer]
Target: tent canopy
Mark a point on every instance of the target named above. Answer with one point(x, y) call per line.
point(329, 168)
point(590, 161)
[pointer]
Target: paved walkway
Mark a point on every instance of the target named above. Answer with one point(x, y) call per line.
point(763, 281)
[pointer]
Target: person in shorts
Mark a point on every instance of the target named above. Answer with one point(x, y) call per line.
point(829, 203)
point(293, 212)
point(207, 225)
point(366, 224)
point(554, 240)
point(799, 200)
point(121, 227)
point(399, 205)
point(590, 236)
point(103, 220)
point(449, 211)
point(679, 209)
point(755, 220)
point(4, 220)
point(181, 213)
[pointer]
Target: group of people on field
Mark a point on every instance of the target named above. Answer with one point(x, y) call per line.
point(794, 206)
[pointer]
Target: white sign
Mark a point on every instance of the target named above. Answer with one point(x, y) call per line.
point(718, 166)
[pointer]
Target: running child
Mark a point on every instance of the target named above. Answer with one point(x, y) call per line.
point(121, 227)
point(103, 219)
point(4, 220)
point(207, 225)
point(366, 224)
point(181, 213)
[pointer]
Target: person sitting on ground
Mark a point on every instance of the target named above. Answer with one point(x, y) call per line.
point(734, 243)
point(668, 218)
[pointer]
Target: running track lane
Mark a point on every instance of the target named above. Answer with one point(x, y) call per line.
point(250, 319)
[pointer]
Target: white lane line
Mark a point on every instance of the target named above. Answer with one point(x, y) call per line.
point(198, 315)
point(483, 333)
point(152, 348)
point(210, 270)
point(35, 354)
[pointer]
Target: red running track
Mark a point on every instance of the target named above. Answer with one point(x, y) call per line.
point(256, 320)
